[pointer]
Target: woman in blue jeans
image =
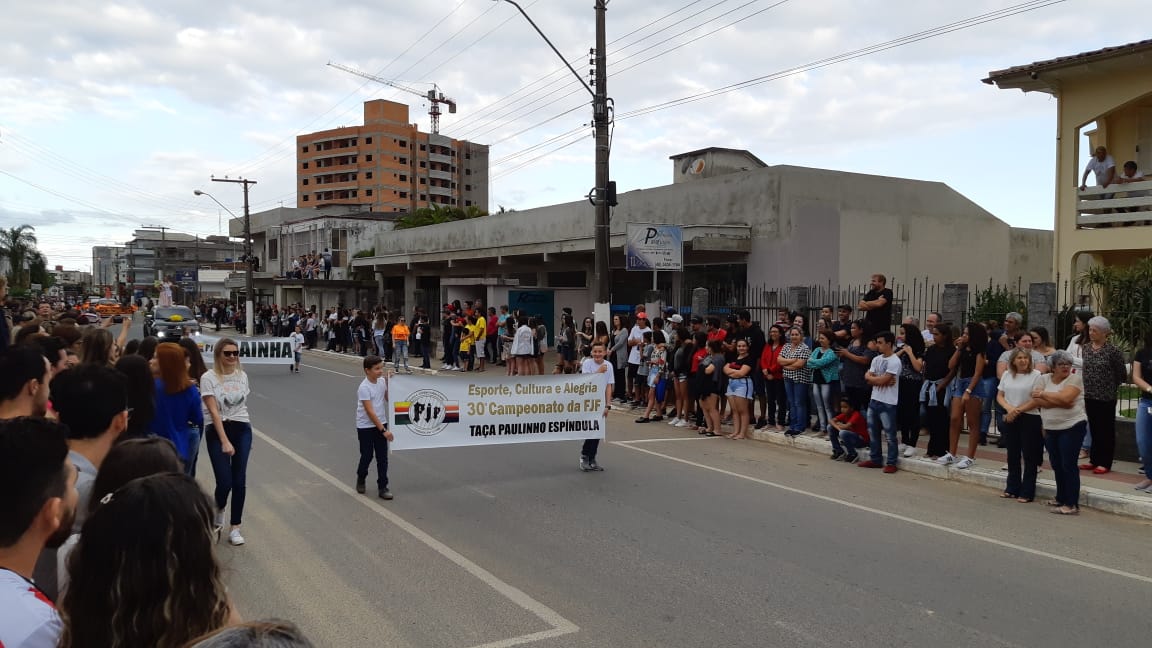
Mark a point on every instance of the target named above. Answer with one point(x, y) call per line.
point(1141, 377)
point(797, 380)
point(825, 366)
point(1060, 397)
point(229, 440)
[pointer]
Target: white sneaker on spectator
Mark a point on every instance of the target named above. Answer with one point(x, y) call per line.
point(682, 423)
point(234, 538)
point(900, 449)
point(909, 451)
point(946, 459)
point(674, 421)
point(964, 462)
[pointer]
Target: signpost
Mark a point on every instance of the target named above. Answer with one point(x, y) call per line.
point(654, 247)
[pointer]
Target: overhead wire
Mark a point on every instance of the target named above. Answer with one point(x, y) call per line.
point(909, 39)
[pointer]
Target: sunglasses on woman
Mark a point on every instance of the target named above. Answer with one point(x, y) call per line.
point(230, 354)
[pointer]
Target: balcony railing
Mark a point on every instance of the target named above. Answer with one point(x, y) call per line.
point(1117, 205)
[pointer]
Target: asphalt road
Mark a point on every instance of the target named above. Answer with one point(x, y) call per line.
point(682, 541)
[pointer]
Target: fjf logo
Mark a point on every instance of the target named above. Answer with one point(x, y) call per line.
point(426, 412)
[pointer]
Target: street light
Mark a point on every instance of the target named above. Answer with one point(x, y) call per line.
point(249, 306)
point(205, 193)
point(604, 197)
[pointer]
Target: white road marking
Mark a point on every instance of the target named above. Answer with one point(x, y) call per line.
point(338, 373)
point(896, 516)
point(481, 492)
point(695, 438)
point(560, 625)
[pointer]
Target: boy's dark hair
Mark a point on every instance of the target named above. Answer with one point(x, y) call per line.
point(87, 398)
point(647, 336)
point(743, 316)
point(844, 400)
point(18, 365)
point(133, 459)
point(50, 346)
point(1130, 164)
point(372, 361)
point(32, 455)
point(885, 336)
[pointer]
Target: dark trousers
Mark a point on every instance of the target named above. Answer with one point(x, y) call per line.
point(908, 411)
point(618, 390)
point(231, 471)
point(590, 448)
point(373, 441)
point(1102, 421)
point(1063, 452)
point(426, 353)
point(1024, 439)
point(936, 420)
point(777, 401)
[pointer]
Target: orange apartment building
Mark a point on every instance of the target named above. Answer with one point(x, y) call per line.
point(389, 165)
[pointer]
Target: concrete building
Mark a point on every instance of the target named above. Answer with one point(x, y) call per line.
point(389, 165)
point(282, 234)
point(109, 264)
point(1104, 96)
point(154, 254)
point(743, 223)
point(76, 278)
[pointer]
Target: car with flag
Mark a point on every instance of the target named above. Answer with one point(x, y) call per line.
point(171, 323)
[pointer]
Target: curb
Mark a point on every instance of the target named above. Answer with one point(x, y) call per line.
point(1097, 499)
point(346, 356)
point(1092, 498)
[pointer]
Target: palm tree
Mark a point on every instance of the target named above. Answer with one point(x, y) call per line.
point(16, 243)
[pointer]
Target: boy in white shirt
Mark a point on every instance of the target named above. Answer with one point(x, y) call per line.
point(297, 346)
point(374, 436)
point(883, 377)
point(596, 365)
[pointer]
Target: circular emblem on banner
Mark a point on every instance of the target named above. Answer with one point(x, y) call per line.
point(427, 412)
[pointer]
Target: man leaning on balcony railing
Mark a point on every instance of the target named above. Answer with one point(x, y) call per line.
point(1103, 166)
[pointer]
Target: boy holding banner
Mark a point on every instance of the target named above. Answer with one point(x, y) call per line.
point(597, 365)
point(374, 436)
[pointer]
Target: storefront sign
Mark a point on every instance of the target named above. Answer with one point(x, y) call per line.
point(654, 247)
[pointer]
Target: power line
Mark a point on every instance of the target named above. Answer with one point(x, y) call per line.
point(909, 39)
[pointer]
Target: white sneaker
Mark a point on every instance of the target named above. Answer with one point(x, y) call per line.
point(945, 460)
point(234, 538)
point(682, 423)
point(964, 462)
point(909, 451)
point(220, 518)
point(674, 421)
point(900, 448)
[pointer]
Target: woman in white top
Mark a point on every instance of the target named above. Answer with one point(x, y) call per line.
point(1022, 431)
point(1060, 396)
point(524, 348)
point(225, 393)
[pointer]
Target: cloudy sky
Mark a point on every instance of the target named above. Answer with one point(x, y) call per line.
point(111, 114)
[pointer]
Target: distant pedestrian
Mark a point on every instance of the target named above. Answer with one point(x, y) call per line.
point(371, 430)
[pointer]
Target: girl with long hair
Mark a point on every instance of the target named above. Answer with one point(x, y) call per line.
point(967, 397)
point(710, 376)
point(141, 395)
point(825, 368)
point(911, 380)
point(740, 391)
point(143, 572)
point(178, 415)
point(774, 379)
point(934, 393)
point(225, 392)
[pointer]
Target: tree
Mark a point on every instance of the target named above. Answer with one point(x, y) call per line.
point(994, 302)
point(38, 270)
point(1123, 294)
point(436, 214)
point(16, 245)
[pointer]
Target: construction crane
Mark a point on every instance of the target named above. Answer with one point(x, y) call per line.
point(434, 96)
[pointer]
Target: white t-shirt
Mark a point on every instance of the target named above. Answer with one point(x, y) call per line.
point(1017, 388)
point(886, 365)
point(603, 369)
point(636, 334)
point(522, 342)
point(230, 392)
point(1100, 169)
point(297, 342)
point(27, 618)
point(1062, 418)
point(375, 393)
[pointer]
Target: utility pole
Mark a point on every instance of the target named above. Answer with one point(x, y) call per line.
point(603, 196)
point(249, 306)
point(602, 242)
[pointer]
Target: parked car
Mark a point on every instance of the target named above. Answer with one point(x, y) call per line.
point(171, 322)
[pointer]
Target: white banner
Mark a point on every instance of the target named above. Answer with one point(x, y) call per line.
point(276, 351)
point(428, 412)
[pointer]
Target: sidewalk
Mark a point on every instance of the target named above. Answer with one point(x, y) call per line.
point(1111, 493)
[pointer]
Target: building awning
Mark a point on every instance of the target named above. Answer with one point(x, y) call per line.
point(1044, 76)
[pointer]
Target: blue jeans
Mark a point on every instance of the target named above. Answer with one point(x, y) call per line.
point(797, 405)
point(401, 352)
point(849, 439)
point(988, 386)
point(379, 344)
point(827, 399)
point(882, 418)
point(372, 441)
point(1064, 452)
point(231, 471)
point(1144, 433)
point(195, 433)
